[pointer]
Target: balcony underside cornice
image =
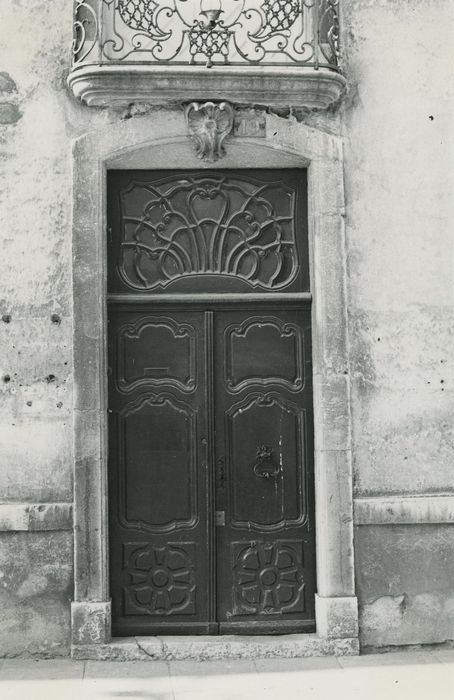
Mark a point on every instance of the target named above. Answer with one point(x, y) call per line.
point(121, 85)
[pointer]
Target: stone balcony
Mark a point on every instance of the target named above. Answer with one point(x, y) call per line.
point(268, 52)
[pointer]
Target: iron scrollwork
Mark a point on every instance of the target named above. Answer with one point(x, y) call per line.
point(275, 32)
point(85, 29)
point(208, 40)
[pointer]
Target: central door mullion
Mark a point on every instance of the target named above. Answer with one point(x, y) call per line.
point(210, 463)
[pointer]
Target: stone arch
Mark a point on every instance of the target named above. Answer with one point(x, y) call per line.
point(131, 144)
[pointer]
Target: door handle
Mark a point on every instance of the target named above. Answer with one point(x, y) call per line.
point(265, 466)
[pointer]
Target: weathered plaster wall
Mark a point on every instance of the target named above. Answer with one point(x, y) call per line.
point(405, 581)
point(399, 155)
point(35, 587)
point(37, 121)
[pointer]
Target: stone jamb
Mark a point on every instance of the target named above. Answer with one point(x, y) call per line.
point(132, 144)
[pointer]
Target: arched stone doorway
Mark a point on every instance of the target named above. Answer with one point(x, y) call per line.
point(129, 145)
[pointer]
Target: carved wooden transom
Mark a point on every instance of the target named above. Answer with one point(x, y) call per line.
point(239, 227)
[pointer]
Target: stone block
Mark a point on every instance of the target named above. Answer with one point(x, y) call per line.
point(329, 314)
point(203, 648)
point(88, 433)
point(13, 518)
point(50, 516)
point(331, 412)
point(313, 144)
point(90, 623)
point(404, 584)
point(35, 347)
point(36, 571)
point(326, 189)
point(35, 517)
point(404, 510)
point(329, 264)
point(90, 530)
point(90, 371)
point(334, 518)
point(329, 337)
point(36, 459)
point(337, 617)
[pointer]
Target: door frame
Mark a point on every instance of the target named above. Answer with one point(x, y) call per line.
point(159, 141)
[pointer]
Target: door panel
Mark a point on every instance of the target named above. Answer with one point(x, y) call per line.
point(210, 403)
point(160, 532)
point(265, 551)
point(155, 350)
point(248, 364)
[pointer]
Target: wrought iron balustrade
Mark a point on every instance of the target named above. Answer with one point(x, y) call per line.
point(219, 34)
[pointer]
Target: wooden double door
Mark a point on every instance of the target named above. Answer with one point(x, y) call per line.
point(211, 479)
point(210, 402)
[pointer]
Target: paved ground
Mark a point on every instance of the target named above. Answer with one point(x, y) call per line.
point(397, 676)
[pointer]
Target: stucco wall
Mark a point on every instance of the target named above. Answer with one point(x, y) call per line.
point(398, 157)
point(37, 123)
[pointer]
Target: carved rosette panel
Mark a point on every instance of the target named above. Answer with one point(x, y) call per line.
point(268, 578)
point(184, 227)
point(161, 430)
point(161, 579)
point(244, 352)
point(240, 32)
point(156, 351)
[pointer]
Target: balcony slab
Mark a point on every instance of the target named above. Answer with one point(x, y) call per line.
point(118, 86)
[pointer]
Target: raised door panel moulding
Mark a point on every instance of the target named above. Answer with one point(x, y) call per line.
point(272, 52)
point(242, 341)
point(152, 514)
point(251, 503)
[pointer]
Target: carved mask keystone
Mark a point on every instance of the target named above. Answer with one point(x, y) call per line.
point(209, 124)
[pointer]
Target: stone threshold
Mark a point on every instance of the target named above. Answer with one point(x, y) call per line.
point(210, 648)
